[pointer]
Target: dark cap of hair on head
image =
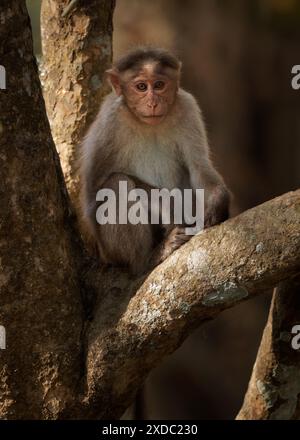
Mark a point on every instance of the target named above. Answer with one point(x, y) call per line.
point(140, 55)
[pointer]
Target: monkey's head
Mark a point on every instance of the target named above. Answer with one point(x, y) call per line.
point(148, 80)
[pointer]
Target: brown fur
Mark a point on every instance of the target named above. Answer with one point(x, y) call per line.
point(171, 151)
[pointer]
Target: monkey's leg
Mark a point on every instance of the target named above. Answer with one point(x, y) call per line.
point(174, 237)
point(216, 212)
point(125, 244)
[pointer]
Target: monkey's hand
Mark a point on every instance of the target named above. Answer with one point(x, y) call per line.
point(176, 238)
point(217, 207)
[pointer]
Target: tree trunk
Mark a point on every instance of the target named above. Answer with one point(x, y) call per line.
point(59, 363)
point(40, 289)
point(274, 388)
point(77, 49)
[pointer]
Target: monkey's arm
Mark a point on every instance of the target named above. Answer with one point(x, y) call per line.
point(96, 161)
point(202, 173)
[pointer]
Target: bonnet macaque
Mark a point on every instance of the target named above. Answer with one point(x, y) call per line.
point(150, 134)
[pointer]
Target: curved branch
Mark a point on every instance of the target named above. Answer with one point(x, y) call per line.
point(275, 383)
point(132, 332)
point(136, 323)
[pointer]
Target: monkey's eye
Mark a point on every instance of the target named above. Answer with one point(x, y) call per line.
point(159, 85)
point(142, 87)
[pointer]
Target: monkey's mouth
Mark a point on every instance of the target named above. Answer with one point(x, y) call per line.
point(153, 116)
point(152, 119)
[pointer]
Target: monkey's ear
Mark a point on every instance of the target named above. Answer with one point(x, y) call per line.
point(114, 79)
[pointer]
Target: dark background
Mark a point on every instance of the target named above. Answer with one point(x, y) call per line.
point(237, 59)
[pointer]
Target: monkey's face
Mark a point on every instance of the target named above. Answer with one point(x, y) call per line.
point(149, 91)
point(150, 99)
point(150, 94)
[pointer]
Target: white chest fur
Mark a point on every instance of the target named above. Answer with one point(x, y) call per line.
point(154, 161)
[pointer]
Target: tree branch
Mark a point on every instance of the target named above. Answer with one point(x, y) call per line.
point(275, 383)
point(77, 50)
point(131, 332)
point(136, 322)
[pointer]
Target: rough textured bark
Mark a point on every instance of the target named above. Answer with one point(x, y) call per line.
point(132, 330)
point(39, 286)
point(58, 363)
point(274, 388)
point(77, 50)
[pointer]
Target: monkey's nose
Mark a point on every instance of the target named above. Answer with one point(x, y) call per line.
point(152, 104)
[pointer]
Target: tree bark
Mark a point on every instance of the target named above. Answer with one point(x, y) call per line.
point(58, 363)
point(134, 329)
point(41, 306)
point(77, 49)
point(274, 388)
